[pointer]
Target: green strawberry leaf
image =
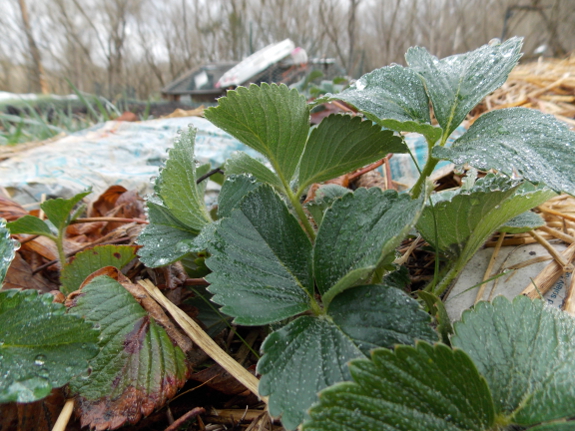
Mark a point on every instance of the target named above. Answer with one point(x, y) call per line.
point(525, 350)
point(177, 185)
point(241, 163)
point(539, 147)
point(300, 359)
point(311, 353)
point(58, 210)
point(234, 189)
point(524, 222)
point(460, 213)
point(30, 225)
point(458, 83)
point(341, 144)
point(357, 233)
point(88, 261)
point(271, 119)
point(138, 368)
point(324, 198)
point(160, 238)
point(466, 218)
point(380, 316)
point(394, 97)
point(7, 250)
point(424, 388)
point(41, 347)
point(555, 426)
point(261, 273)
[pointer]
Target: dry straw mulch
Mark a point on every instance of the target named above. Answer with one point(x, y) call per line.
point(547, 85)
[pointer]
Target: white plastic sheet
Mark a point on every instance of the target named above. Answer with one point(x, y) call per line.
point(122, 153)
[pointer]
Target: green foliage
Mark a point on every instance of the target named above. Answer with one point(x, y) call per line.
point(41, 347)
point(509, 367)
point(7, 249)
point(137, 359)
point(177, 212)
point(456, 84)
point(60, 215)
point(523, 351)
point(324, 283)
point(89, 261)
point(534, 144)
point(426, 388)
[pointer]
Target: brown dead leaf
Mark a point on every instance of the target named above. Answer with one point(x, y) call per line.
point(106, 201)
point(11, 210)
point(38, 416)
point(219, 379)
point(45, 247)
point(19, 276)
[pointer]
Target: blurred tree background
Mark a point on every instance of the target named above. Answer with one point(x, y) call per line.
point(133, 48)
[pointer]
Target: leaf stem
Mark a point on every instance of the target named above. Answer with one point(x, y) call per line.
point(426, 172)
point(60, 246)
point(300, 212)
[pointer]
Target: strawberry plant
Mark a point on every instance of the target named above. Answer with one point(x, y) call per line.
point(322, 273)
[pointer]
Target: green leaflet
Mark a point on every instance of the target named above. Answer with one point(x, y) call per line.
point(466, 218)
point(380, 316)
point(460, 213)
point(30, 225)
point(177, 184)
point(394, 97)
point(525, 350)
point(524, 222)
point(58, 210)
point(234, 189)
point(161, 237)
point(7, 249)
point(539, 147)
point(303, 357)
point(341, 144)
point(41, 347)
point(357, 233)
point(324, 198)
point(458, 83)
point(241, 163)
point(88, 261)
point(260, 258)
point(311, 353)
point(271, 119)
point(424, 388)
point(137, 361)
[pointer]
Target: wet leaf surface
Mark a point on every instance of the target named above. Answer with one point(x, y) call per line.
point(260, 258)
point(177, 187)
point(536, 145)
point(357, 233)
point(271, 119)
point(58, 210)
point(426, 388)
point(138, 368)
point(88, 261)
point(41, 347)
point(7, 247)
point(233, 191)
point(160, 238)
point(394, 97)
point(311, 353)
point(456, 84)
point(525, 350)
point(341, 144)
point(241, 163)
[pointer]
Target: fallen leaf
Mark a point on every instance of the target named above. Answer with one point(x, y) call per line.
point(10, 210)
point(38, 416)
point(138, 368)
point(19, 276)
